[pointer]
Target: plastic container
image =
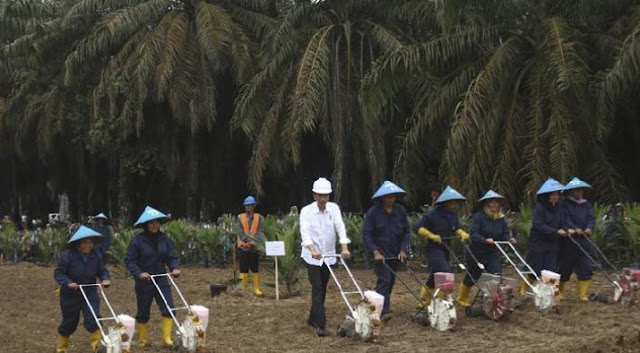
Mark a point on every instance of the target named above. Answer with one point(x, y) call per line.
point(635, 274)
point(129, 324)
point(442, 278)
point(376, 299)
point(447, 287)
point(203, 314)
point(550, 277)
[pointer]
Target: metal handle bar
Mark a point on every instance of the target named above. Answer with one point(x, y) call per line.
point(335, 279)
point(499, 245)
point(615, 269)
point(460, 264)
point(175, 286)
point(586, 253)
point(98, 320)
point(416, 296)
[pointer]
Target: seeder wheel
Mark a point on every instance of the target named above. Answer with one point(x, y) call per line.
point(627, 291)
point(496, 306)
point(544, 297)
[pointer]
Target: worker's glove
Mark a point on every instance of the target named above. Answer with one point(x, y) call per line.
point(106, 283)
point(424, 232)
point(175, 273)
point(464, 236)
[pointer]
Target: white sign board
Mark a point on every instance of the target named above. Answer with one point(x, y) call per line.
point(274, 248)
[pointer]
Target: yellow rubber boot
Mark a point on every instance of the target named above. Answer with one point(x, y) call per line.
point(167, 326)
point(94, 340)
point(583, 290)
point(425, 295)
point(142, 334)
point(63, 344)
point(523, 289)
point(463, 295)
point(560, 293)
point(256, 285)
point(245, 281)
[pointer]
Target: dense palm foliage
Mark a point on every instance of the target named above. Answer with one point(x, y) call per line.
point(192, 104)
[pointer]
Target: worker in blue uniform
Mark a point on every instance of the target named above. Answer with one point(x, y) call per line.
point(488, 225)
point(580, 221)
point(440, 225)
point(151, 253)
point(548, 225)
point(80, 264)
point(386, 236)
point(100, 225)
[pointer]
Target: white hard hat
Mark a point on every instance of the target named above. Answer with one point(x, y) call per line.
point(322, 186)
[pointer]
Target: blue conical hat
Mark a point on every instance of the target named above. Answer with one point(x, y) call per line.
point(491, 195)
point(576, 183)
point(388, 188)
point(550, 185)
point(149, 214)
point(84, 232)
point(449, 194)
point(101, 215)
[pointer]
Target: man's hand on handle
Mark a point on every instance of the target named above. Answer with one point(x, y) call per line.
point(378, 257)
point(345, 252)
point(402, 256)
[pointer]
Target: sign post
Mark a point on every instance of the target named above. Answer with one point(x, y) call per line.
point(275, 249)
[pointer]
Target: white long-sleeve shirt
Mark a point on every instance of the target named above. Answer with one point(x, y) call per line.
point(320, 229)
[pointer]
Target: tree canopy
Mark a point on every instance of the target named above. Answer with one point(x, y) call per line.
point(190, 105)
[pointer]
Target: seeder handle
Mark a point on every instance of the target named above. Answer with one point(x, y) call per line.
point(615, 269)
point(499, 245)
point(175, 286)
point(395, 274)
point(460, 264)
point(586, 253)
point(93, 313)
point(335, 278)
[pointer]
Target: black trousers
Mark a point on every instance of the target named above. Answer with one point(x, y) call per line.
point(318, 277)
point(248, 260)
point(71, 304)
point(145, 294)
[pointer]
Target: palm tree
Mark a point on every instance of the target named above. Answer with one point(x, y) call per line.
point(521, 107)
point(308, 87)
point(95, 72)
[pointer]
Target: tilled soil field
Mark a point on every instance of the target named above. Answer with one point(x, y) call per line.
point(241, 323)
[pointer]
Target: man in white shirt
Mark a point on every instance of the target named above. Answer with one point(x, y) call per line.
point(320, 222)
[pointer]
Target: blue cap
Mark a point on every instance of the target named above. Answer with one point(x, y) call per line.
point(491, 195)
point(388, 188)
point(149, 214)
point(84, 232)
point(101, 215)
point(576, 183)
point(249, 200)
point(449, 194)
point(551, 185)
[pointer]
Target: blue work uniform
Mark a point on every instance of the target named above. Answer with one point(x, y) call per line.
point(74, 267)
point(387, 232)
point(578, 215)
point(485, 227)
point(103, 246)
point(443, 223)
point(543, 240)
point(151, 253)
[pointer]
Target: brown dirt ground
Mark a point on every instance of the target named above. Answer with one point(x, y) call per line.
point(241, 323)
